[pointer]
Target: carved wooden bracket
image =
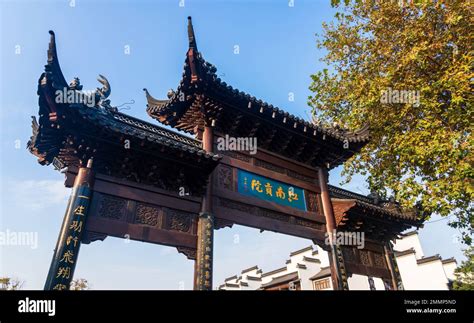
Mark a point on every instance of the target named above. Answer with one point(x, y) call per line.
point(190, 253)
point(91, 236)
point(222, 223)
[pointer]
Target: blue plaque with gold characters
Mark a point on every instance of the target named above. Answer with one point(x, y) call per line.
point(254, 185)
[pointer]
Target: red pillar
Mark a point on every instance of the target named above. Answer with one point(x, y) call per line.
point(396, 278)
point(336, 259)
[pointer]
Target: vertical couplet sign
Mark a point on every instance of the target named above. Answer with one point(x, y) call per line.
point(269, 190)
point(69, 248)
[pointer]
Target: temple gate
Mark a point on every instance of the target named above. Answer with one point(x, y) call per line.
point(134, 179)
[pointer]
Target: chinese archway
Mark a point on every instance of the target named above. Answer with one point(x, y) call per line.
point(131, 178)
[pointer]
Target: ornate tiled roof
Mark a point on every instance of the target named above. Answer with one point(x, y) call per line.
point(46, 140)
point(378, 206)
point(355, 212)
point(68, 133)
point(174, 107)
point(202, 97)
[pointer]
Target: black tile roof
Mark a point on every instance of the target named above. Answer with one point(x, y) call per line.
point(324, 272)
point(366, 202)
point(199, 78)
point(281, 279)
point(45, 141)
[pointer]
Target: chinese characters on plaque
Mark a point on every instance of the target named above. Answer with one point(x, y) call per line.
point(270, 190)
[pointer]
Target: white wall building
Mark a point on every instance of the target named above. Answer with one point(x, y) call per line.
point(308, 269)
point(420, 272)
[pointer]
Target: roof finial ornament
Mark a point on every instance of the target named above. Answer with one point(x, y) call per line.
point(52, 68)
point(52, 55)
point(104, 92)
point(191, 37)
point(75, 84)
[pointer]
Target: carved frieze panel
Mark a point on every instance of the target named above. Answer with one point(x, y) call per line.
point(139, 213)
point(225, 177)
point(112, 207)
point(300, 176)
point(273, 215)
point(236, 206)
point(379, 260)
point(236, 155)
point(252, 210)
point(364, 257)
point(349, 255)
point(147, 214)
point(312, 201)
point(368, 258)
point(178, 220)
point(309, 224)
point(269, 166)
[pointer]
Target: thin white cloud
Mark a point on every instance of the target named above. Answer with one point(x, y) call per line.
point(36, 195)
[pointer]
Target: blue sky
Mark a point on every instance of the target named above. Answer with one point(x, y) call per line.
point(276, 56)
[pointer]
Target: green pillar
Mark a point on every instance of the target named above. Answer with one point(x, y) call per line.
point(66, 252)
point(204, 255)
point(205, 228)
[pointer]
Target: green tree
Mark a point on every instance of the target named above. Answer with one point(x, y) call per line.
point(465, 272)
point(8, 283)
point(406, 70)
